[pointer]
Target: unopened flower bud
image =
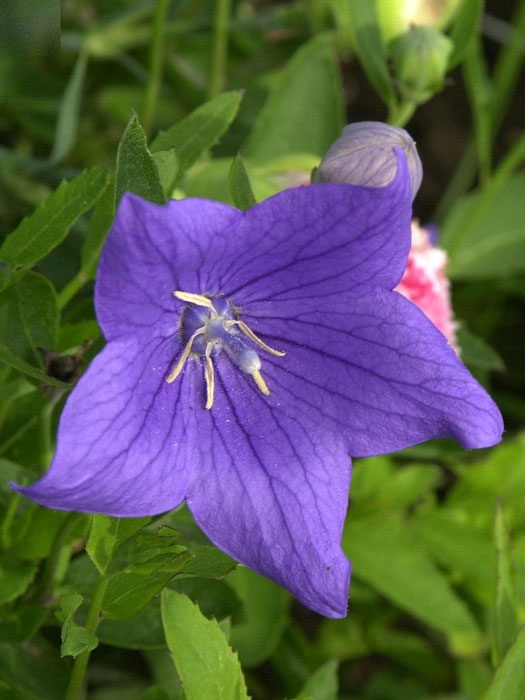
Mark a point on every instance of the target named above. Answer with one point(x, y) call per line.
point(420, 60)
point(364, 155)
point(397, 16)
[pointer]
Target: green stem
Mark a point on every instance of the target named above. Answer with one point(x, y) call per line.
point(72, 287)
point(479, 89)
point(155, 63)
point(220, 47)
point(512, 161)
point(508, 68)
point(46, 584)
point(76, 682)
point(46, 415)
point(401, 113)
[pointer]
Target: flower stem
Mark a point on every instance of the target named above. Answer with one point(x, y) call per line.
point(72, 287)
point(155, 63)
point(76, 681)
point(400, 114)
point(220, 47)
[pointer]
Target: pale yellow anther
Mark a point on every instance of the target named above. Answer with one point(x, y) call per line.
point(180, 364)
point(248, 331)
point(210, 377)
point(198, 299)
point(261, 383)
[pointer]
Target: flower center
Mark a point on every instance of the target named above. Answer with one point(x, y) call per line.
point(211, 328)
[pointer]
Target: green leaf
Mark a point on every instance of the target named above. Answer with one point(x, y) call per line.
point(8, 357)
point(142, 631)
point(304, 112)
point(208, 562)
point(240, 184)
point(15, 578)
point(136, 171)
point(368, 45)
point(21, 623)
point(464, 28)
point(458, 545)
point(168, 164)
point(75, 639)
point(267, 615)
point(491, 245)
point(476, 352)
point(206, 665)
point(323, 684)
point(201, 130)
point(509, 681)
point(32, 318)
point(155, 693)
point(34, 669)
point(107, 534)
point(505, 609)
point(69, 111)
point(128, 593)
point(97, 230)
point(380, 543)
point(47, 227)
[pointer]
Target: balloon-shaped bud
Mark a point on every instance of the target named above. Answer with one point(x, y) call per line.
point(365, 154)
point(420, 60)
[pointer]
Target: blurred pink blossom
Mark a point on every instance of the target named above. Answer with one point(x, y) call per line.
point(425, 282)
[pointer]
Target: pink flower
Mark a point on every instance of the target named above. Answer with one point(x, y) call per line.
point(425, 283)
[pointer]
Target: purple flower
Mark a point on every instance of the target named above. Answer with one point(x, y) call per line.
point(258, 442)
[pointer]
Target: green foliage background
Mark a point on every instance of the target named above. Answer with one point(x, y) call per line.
point(236, 101)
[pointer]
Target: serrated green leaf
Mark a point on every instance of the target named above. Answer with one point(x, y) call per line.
point(75, 639)
point(464, 28)
point(136, 171)
point(106, 536)
point(168, 164)
point(509, 681)
point(240, 184)
point(368, 45)
point(128, 592)
point(377, 544)
point(8, 357)
point(208, 562)
point(47, 227)
point(15, 578)
point(323, 684)
point(266, 608)
point(504, 626)
point(304, 112)
point(32, 318)
point(201, 130)
point(206, 665)
point(69, 111)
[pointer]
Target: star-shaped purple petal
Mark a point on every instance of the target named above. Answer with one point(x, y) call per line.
point(310, 272)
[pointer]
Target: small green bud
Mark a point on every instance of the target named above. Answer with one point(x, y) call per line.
point(420, 59)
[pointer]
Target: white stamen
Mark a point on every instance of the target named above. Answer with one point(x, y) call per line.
point(180, 364)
